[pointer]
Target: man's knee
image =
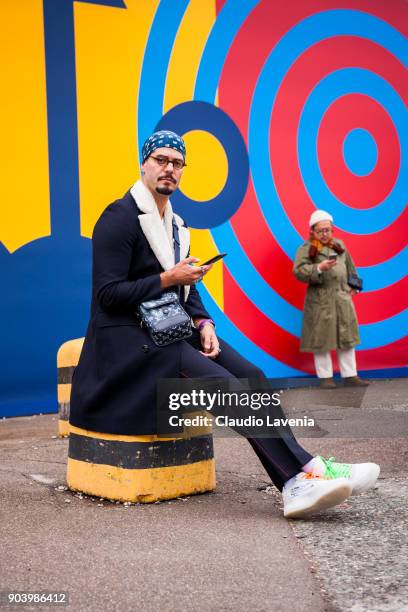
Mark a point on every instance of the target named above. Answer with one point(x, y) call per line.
point(253, 372)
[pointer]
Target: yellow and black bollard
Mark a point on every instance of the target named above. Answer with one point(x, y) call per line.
point(131, 468)
point(140, 468)
point(67, 359)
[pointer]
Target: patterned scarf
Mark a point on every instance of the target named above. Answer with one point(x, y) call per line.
point(316, 246)
point(163, 138)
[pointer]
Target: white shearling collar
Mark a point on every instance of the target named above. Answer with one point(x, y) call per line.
point(159, 235)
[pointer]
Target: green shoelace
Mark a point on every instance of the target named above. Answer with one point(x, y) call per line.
point(336, 470)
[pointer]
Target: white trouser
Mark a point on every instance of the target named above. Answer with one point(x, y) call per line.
point(346, 359)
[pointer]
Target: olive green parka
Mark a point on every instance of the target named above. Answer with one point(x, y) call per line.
point(329, 317)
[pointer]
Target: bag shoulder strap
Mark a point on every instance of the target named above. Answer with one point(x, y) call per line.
point(176, 239)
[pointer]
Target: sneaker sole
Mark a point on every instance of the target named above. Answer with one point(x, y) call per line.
point(323, 502)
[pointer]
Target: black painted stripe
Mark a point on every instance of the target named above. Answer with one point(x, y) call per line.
point(65, 375)
point(63, 411)
point(140, 455)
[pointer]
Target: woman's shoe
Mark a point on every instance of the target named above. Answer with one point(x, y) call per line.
point(327, 383)
point(355, 381)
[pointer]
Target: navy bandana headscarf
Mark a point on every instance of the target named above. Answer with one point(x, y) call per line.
point(164, 138)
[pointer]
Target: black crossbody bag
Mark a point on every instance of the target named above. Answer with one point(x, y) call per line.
point(164, 318)
point(355, 282)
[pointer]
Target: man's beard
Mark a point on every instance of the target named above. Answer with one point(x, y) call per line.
point(164, 190)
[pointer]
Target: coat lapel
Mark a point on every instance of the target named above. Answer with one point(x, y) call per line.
point(158, 234)
point(152, 226)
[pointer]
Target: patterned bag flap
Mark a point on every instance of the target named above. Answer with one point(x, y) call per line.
point(167, 298)
point(176, 318)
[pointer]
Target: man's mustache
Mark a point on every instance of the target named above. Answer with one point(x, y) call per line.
point(167, 178)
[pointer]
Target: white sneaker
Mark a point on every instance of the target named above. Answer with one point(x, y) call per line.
point(305, 494)
point(362, 476)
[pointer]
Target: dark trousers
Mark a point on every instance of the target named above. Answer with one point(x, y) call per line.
point(282, 457)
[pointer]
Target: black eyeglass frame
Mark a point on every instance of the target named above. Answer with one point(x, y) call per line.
point(164, 161)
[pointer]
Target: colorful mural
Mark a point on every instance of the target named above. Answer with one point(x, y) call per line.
point(286, 106)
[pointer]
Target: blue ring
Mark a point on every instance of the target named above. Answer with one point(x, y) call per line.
point(207, 117)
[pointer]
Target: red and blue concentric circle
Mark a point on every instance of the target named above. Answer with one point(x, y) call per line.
point(317, 91)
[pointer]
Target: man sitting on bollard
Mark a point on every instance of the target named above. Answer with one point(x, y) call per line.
point(114, 386)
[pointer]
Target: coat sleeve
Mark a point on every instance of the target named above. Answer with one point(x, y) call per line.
point(113, 242)
point(194, 305)
point(304, 269)
point(351, 268)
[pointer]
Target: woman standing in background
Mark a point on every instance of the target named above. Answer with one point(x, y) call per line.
point(329, 318)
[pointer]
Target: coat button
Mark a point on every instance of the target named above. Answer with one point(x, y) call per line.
point(145, 348)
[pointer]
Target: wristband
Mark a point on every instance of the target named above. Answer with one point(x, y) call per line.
point(204, 322)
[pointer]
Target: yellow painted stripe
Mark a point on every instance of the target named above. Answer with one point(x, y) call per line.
point(110, 44)
point(69, 352)
point(187, 50)
point(24, 188)
point(107, 436)
point(146, 486)
point(202, 246)
point(200, 430)
point(64, 393)
point(63, 428)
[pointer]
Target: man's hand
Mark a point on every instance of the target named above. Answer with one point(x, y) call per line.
point(209, 341)
point(183, 273)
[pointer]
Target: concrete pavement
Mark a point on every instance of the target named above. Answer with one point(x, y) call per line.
point(230, 550)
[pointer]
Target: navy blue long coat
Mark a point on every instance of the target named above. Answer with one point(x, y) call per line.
point(114, 384)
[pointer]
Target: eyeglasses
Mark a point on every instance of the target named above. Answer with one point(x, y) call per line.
point(162, 160)
point(324, 230)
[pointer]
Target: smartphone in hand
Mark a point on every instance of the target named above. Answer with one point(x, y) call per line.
point(332, 257)
point(213, 259)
